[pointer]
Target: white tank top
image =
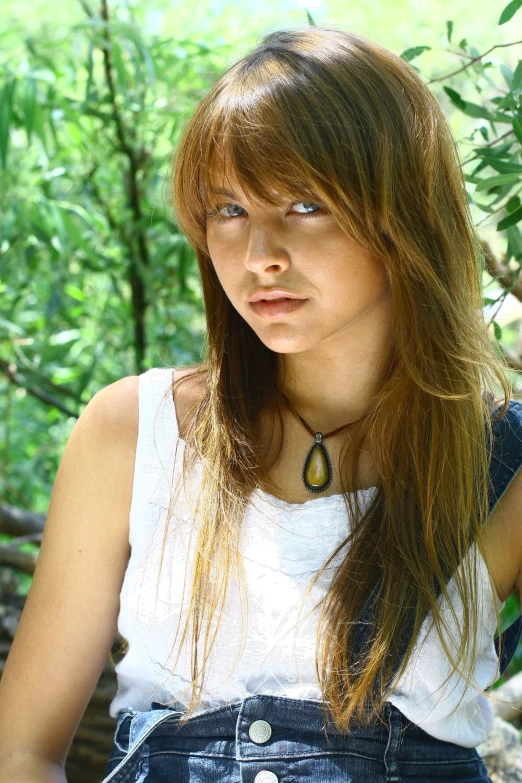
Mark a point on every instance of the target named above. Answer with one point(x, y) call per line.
point(283, 545)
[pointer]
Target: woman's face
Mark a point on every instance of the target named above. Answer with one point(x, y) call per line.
point(297, 246)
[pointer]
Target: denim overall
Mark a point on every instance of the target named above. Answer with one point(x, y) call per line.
point(273, 739)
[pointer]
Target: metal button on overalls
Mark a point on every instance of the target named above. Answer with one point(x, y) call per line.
point(265, 777)
point(260, 731)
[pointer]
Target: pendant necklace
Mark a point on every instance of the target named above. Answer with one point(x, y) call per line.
point(317, 469)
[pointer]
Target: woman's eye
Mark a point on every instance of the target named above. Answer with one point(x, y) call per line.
point(226, 206)
point(217, 213)
point(309, 204)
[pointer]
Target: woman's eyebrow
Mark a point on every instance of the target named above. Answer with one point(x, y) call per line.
point(231, 194)
point(220, 192)
point(228, 193)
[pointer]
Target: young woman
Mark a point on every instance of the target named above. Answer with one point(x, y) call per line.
point(301, 538)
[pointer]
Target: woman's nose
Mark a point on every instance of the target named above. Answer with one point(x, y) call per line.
point(264, 250)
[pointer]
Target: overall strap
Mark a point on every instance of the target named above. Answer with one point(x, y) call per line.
point(506, 456)
point(505, 462)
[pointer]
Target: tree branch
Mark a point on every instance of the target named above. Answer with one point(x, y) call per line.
point(488, 144)
point(512, 359)
point(18, 522)
point(14, 558)
point(472, 61)
point(502, 274)
point(139, 300)
point(9, 370)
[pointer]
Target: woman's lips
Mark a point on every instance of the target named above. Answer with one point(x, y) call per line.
point(277, 307)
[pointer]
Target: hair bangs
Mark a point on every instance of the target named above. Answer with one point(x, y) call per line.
point(269, 137)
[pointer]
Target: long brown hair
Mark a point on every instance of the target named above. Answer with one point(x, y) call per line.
point(324, 110)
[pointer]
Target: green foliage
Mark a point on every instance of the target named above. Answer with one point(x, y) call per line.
point(509, 11)
point(309, 17)
point(96, 280)
point(414, 51)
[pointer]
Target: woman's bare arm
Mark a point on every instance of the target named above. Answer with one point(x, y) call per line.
point(70, 616)
point(28, 768)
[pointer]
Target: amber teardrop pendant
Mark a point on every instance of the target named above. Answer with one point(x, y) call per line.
point(317, 470)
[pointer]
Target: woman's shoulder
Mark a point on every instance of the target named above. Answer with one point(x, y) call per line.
point(116, 405)
point(188, 387)
point(196, 372)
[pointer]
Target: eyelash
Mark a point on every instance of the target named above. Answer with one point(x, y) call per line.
point(217, 218)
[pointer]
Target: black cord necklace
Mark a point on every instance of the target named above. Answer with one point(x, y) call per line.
point(317, 469)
